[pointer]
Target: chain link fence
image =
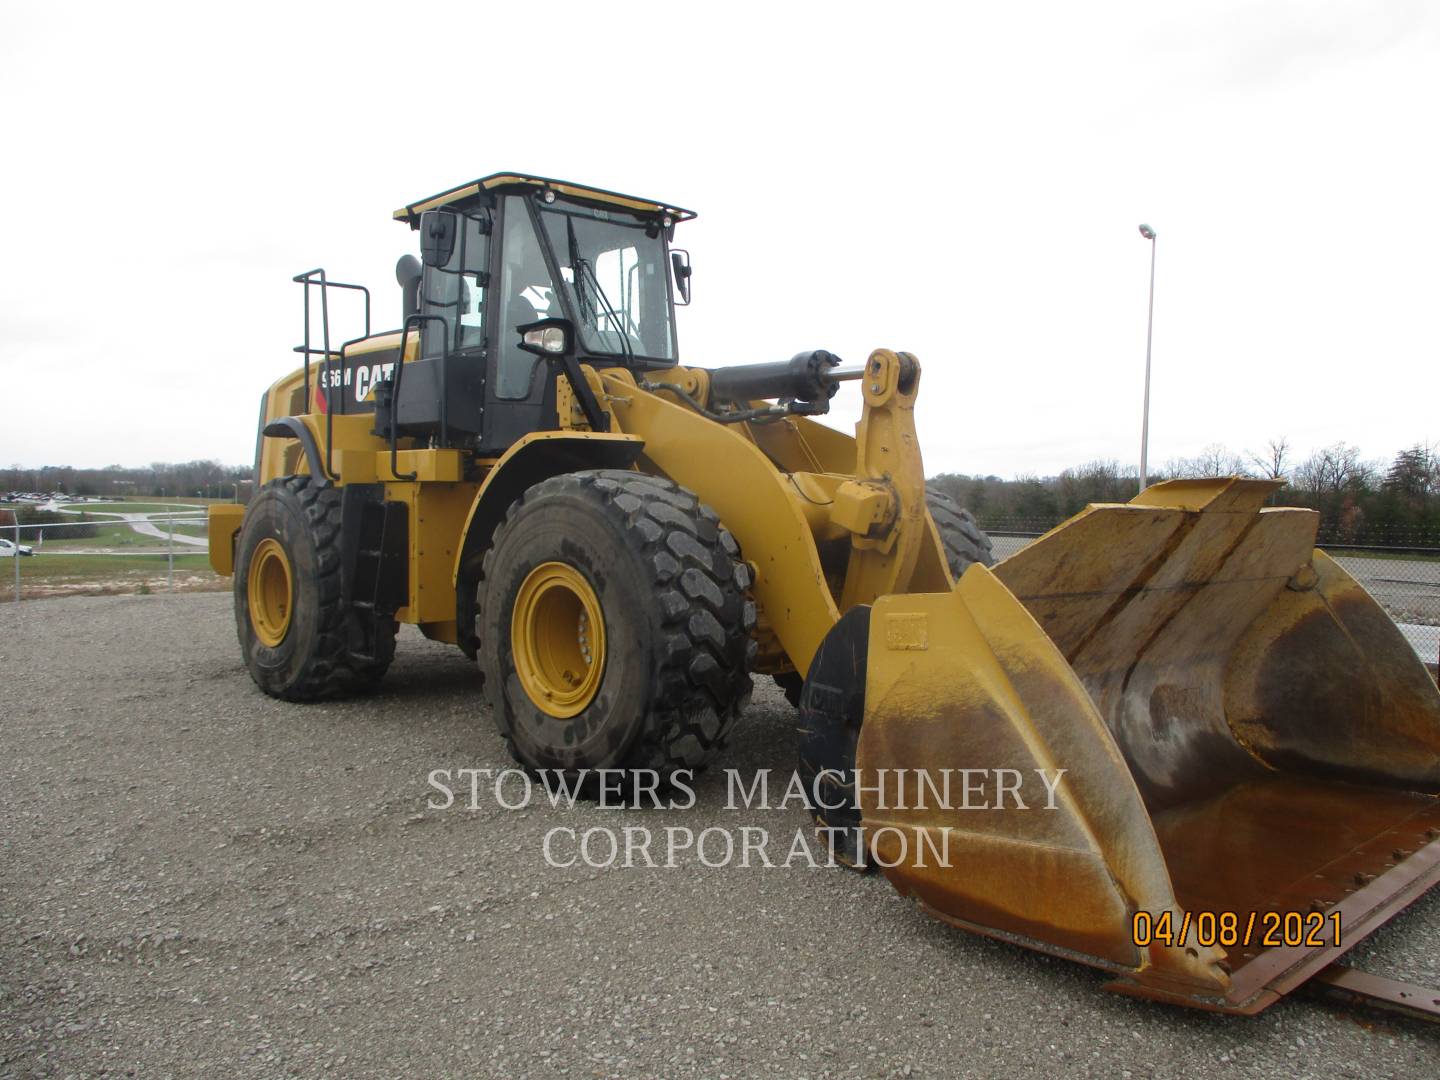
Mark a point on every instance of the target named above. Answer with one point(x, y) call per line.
point(42, 554)
point(1404, 579)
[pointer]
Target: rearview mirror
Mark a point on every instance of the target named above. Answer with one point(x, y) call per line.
point(680, 264)
point(438, 229)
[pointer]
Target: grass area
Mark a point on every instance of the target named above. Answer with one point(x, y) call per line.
point(52, 567)
point(106, 536)
point(109, 534)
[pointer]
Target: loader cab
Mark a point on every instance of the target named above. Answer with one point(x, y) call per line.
point(509, 251)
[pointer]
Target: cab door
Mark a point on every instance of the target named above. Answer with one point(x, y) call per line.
point(454, 347)
point(519, 386)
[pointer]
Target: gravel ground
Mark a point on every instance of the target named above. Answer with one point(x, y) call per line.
point(198, 879)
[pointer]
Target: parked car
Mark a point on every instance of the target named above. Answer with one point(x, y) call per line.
point(7, 549)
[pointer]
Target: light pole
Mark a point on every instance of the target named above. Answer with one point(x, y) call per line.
point(1149, 234)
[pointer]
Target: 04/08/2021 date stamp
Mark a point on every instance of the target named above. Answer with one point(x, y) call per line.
point(1231, 929)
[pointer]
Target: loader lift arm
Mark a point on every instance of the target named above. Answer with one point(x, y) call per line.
point(880, 504)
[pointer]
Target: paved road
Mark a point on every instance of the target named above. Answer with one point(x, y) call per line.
point(196, 878)
point(142, 524)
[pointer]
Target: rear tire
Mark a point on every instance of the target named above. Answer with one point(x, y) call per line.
point(297, 639)
point(649, 563)
point(964, 542)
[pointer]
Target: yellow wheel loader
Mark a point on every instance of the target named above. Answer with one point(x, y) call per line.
point(1240, 754)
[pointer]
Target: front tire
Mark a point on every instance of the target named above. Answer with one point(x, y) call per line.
point(297, 639)
point(614, 625)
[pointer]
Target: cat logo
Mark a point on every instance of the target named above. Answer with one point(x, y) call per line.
point(363, 379)
point(368, 378)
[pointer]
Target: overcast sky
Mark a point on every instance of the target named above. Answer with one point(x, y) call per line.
point(963, 181)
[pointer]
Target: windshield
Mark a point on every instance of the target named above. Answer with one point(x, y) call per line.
point(614, 274)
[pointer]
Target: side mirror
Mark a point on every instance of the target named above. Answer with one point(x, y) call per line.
point(548, 337)
point(438, 230)
point(680, 265)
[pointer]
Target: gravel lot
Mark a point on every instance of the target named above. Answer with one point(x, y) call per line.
point(198, 879)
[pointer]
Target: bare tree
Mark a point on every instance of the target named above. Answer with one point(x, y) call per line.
point(1273, 462)
point(1334, 471)
point(1096, 482)
point(1214, 460)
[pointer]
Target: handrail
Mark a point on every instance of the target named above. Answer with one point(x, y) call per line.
point(306, 280)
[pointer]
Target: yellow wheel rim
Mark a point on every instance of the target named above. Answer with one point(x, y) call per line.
point(272, 592)
point(557, 635)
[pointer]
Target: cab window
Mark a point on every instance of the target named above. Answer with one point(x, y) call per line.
point(526, 293)
point(613, 267)
point(456, 292)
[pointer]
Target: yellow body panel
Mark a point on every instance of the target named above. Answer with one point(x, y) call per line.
point(382, 342)
point(437, 514)
point(514, 471)
point(280, 457)
point(223, 526)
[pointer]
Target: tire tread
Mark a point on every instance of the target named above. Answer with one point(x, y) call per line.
point(332, 670)
point(698, 599)
point(963, 539)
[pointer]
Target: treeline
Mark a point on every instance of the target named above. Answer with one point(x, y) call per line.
point(1395, 502)
point(208, 479)
point(1386, 503)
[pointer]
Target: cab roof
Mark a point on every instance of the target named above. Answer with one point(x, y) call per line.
point(411, 211)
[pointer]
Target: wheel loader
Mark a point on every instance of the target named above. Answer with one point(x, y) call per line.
point(1247, 751)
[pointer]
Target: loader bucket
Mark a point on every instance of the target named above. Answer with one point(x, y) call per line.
point(1251, 749)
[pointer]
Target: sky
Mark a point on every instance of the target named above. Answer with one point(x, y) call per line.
point(962, 181)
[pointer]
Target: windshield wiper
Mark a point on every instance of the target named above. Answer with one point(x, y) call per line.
point(584, 270)
point(611, 316)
